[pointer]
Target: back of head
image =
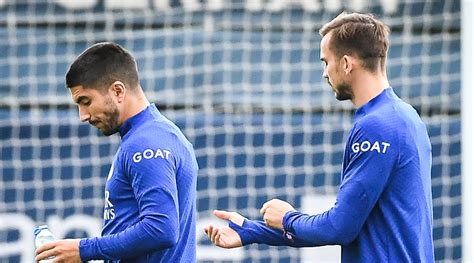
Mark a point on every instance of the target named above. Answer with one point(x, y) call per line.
point(360, 35)
point(101, 65)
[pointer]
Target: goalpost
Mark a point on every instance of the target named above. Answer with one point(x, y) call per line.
point(242, 78)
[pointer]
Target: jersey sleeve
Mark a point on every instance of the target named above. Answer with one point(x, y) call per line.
point(372, 154)
point(151, 170)
point(253, 231)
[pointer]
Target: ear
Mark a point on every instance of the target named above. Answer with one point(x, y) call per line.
point(118, 91)
point(347, 64)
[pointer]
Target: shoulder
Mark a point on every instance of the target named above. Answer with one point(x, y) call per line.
point(149, 142)
point(153, 132)
point(385, 116)
point(395, 118)
point(377, 131)
point(374, 128)
point(389, 119)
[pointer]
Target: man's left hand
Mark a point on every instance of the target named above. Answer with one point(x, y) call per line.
point(66, 250)
point(273, 212)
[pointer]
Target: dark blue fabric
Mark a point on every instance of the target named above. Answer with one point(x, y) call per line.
point(150, 211)
point(383, 210)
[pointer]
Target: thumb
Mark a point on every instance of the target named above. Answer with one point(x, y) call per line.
point(234, 217)
point(222, 214)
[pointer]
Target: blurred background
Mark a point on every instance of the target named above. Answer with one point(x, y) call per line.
point(242, 79)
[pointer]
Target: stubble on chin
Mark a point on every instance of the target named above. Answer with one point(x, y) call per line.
point(343, 92)
point(112, 126)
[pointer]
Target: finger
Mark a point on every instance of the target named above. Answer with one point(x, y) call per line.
point(45, 247)
point(222, 214)
point(265, 219)
point(45, 254)
point(234, 217)
point(209, 231)
point(218, 239)
point(237, 219)
point(265, 207)
point(206, 230)
point(214, 233)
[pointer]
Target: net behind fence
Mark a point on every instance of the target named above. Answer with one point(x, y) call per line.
point(243, 81)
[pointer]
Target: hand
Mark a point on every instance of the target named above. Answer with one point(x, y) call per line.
point(225, 237)
point(66, 250)
point(273, 212)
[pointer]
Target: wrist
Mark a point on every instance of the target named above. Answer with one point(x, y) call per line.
point(245, 238)
point(86, 249)
point(288, 219)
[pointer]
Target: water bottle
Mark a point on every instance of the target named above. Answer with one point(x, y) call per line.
point(43, 236)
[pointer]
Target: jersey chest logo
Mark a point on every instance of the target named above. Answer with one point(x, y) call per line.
point(151, 154)
point(366, 146)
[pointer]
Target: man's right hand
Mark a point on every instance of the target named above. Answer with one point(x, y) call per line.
point(225, 237)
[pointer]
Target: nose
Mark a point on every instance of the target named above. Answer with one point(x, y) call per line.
point(84, 115)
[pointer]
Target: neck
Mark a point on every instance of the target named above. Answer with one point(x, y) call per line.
point(133, 105)
point(368, 85)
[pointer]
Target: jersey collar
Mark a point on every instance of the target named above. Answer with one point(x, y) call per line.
point(386, 94)
point(137, 119)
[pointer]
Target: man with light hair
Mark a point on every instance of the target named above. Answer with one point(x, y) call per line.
point(383, 210)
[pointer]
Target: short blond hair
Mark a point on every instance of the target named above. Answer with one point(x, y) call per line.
point(360, 35)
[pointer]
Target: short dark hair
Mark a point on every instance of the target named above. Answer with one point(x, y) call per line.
point(360, 35)
point(102, 64)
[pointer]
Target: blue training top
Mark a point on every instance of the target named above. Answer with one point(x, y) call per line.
point(150, 193)
point(383, 211)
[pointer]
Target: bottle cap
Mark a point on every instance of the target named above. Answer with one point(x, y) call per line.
point(39, 228)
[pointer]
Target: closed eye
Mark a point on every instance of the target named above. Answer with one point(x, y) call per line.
point(83, 100)
point(324, 61)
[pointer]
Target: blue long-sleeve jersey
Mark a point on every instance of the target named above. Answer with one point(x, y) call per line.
point(383, 210)
point(150, 193)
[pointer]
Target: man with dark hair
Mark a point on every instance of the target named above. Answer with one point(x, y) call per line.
point(383, 211)
point(150, 210)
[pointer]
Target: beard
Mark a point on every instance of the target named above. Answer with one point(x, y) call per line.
point(343, 91)
point(109, 123)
